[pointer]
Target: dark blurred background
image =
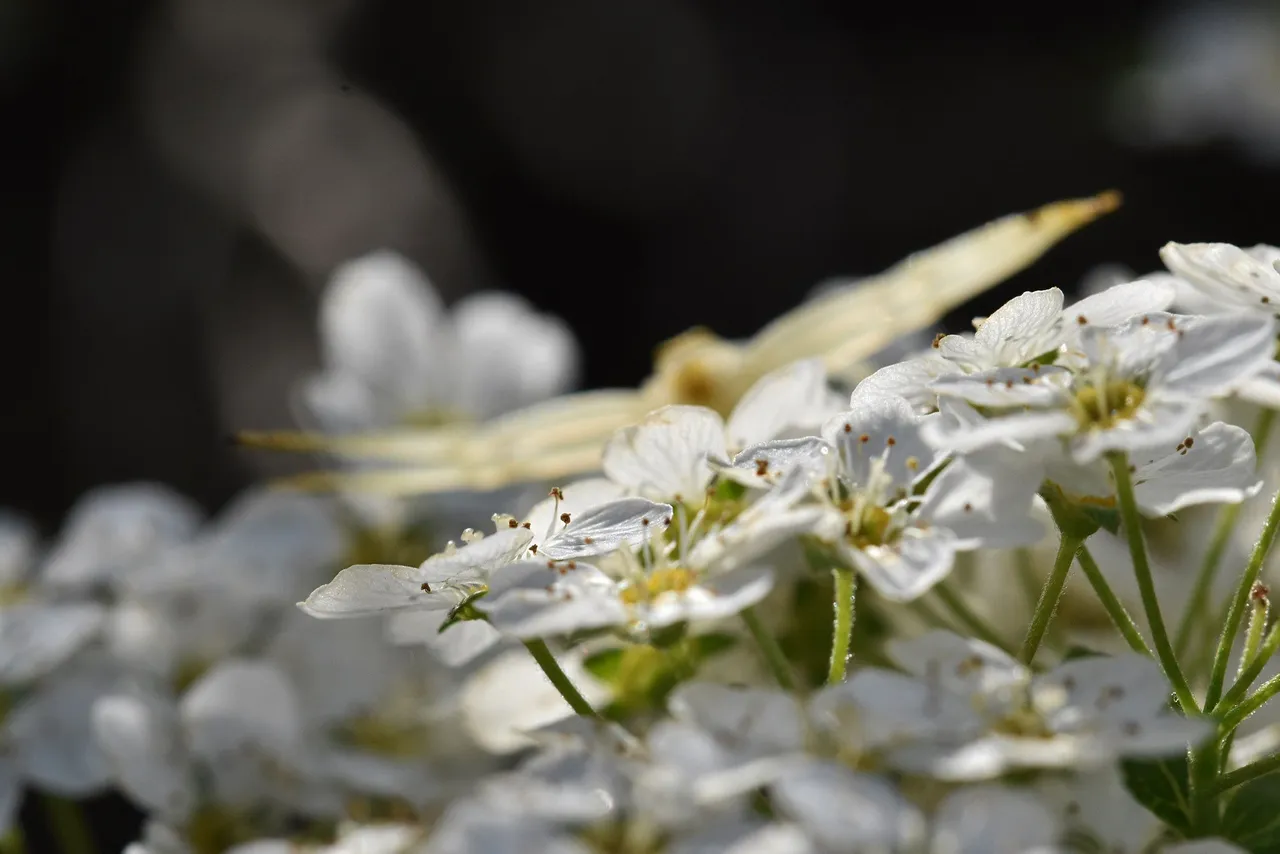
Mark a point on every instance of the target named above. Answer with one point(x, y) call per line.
point(179, 177)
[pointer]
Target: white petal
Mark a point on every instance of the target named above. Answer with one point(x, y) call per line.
point(1225, 272)
point(1263, 388)
point(1014, 431)
point(335, 402)
point(740, 838)
point(758, 466)
point(957, 664)
point(985, 499)
point(664, 456)
point(366, 589)
point(35, 637)
point(1204, 846)
point(746, 718)
point(1025, 327)
point(848, 812)
point(530, 600)
point(912, 379)
point(1158, 422)
point(909, 567)
point(992, 820)
point(52, 731)
point(499, 725)
point(607, 528)
point(1218, 467)
point(1007, 387)
point(1129, 686)
point(379, 321)
point(112, 530)
point(577, 498)
point(460, 644)
point(1214, 354)
point(892, 708)
point(143, 745)
point(19, 543)
point(794, 398)
point(1121, 302)
point(880, 428)
point(239, 704)
point(714, 598)
point(510, 356)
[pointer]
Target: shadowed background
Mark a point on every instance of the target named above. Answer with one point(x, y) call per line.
point(179, 177)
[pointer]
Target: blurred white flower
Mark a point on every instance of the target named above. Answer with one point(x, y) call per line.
point(968, 711)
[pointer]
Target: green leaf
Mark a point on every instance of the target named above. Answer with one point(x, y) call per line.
point(1074, 520)
point(1161, 785)
point(705, 646)
point(604, 665)
point(1252, 817)
point(1078, 651)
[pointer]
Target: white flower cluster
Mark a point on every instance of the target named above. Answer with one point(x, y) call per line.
point(818, 622)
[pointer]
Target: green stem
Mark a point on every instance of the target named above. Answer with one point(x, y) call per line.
point(1132, 522)
point(1256, 701)
point(773, 654)
point(1203, 779)
point(1258, 612)
point(1240, 601)
point(1252, 771)
point(966, 616)
point(1111, 602)
point(1049, 596)
point(1201, 601)
point(67, 825)
point(843, 625)
point(541, 654)
point(1241, 687)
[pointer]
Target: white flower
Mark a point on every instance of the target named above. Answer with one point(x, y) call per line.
point(1235, 279)
point(674, 453)
point(902, 542)
point(446, 580)
point(1216, 464)
point(1141, 384)
point(115, 530)
point(510, 697)
point(19, 545)
point(234, 740)
point(392, 353)
point(848, 812)
point(1029, 328)
point(968, 711)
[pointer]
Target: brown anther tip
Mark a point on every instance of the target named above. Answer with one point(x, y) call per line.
point(891, 441)
point(968, 508)
point(937, 340)
point(864, 438)
point(426, 587)
point(534, 548)
point(1260, 592)
point(564, 517)
point(666, 521)
point(526, 525)
point(644, 521)
point(1189, 441)
point(848, 428)
point(1081, 319)
point(588, 540)
point(512, 523)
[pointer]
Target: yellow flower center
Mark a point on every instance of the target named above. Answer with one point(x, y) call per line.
point(382, 737)
point(872, 529)
point(673, 580)
point(1104, 405)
